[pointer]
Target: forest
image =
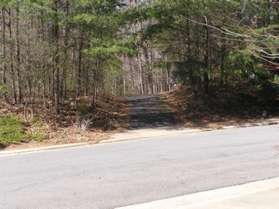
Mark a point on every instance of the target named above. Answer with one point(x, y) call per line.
point(56, 53)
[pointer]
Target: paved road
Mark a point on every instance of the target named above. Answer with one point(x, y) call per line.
point(112, 175)
point(149, 111)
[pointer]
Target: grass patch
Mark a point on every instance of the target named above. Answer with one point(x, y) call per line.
point(11, 130)
point(14, 131)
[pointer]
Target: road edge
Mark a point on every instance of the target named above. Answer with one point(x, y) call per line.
point(268, 122)
point(203, 198)
point(38, 149)
point(114, 138)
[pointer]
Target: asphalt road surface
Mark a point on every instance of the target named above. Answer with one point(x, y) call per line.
point(149, 112)
point(112, 175)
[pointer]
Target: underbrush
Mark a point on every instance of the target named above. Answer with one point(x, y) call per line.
point(76, 122)
point(243, 99)
point(240, 100)
point(106, 113)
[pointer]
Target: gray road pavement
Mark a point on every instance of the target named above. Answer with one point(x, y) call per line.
point(112, 175)
point(149, 112)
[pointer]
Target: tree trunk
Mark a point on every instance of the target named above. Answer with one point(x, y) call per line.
point(79, 66)
point(4, 48)
point(56, 59)
point(12, 57)
point(18, 56)
point(207, 59)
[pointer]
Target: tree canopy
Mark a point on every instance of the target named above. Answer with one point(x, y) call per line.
point(61, 49)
